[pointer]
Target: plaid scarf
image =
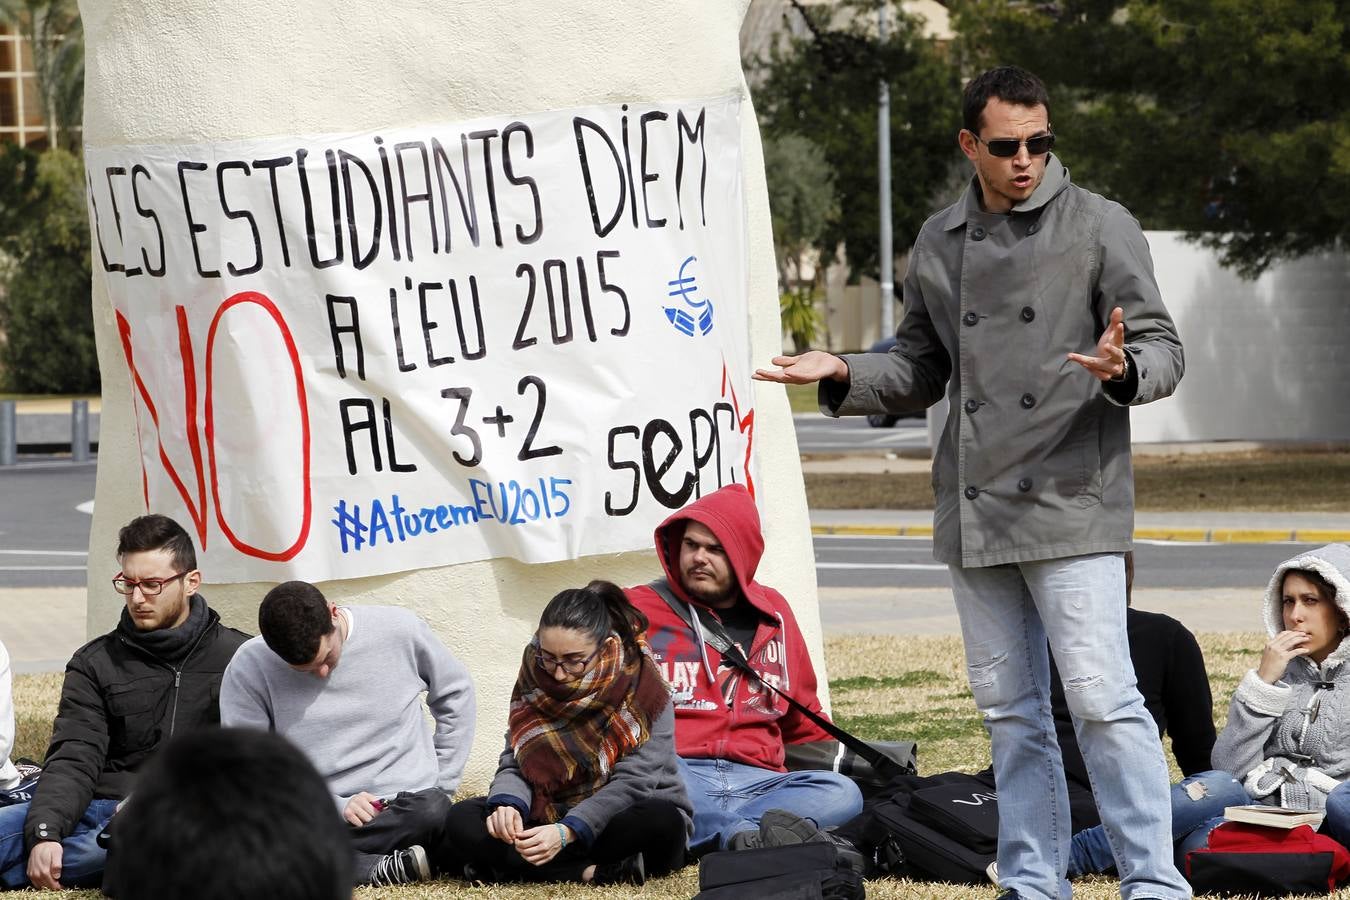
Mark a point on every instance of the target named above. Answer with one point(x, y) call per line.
point(567, 735)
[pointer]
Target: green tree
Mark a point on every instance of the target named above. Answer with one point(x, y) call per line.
point(54, 32)
point(824, 87)
point(45, 316)
point(801, 203)
point(1220, 118)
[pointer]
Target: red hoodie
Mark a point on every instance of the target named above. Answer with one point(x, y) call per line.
point(719, 711)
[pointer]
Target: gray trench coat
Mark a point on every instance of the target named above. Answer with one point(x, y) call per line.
point(1034, 461)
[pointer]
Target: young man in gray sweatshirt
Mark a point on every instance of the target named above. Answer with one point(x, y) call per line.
point(345, 684)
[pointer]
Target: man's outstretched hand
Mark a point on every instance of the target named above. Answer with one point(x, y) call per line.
point(805, 368)
point(1110, 359)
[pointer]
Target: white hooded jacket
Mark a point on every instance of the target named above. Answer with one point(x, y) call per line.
point(1289, 742)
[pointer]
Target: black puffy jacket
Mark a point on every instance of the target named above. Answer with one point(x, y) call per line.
point(119, 702)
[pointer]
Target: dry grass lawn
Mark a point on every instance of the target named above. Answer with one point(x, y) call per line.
point(883, 687)
point(1256, 481)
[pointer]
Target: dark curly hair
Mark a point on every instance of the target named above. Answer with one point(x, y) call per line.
point(292, 619)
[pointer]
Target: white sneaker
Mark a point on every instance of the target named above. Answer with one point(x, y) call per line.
point(991, 870)
point(401, 867)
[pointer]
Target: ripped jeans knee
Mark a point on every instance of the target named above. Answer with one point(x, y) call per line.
point(1095, 694)
point(990, 682)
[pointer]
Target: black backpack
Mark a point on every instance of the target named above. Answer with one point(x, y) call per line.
point(797, 872)
point(940, 827)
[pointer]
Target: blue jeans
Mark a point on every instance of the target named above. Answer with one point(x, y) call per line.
point(82, 859)
point(1090, 852)
point(1007, 613)
point(729, 797)
point(1337, 823)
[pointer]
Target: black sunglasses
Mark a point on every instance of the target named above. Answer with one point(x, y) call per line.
point(1006, 147)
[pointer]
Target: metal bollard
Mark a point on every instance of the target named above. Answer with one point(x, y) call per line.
point(9, 433)
point(79, 431)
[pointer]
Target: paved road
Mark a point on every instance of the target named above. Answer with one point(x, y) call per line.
point(852, 434)
point(44, 535)
point(907, 562)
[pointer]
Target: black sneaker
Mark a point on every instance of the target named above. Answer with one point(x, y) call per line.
point(401, 867)
point(626, 871)
point(745, 840)
point(779, 828)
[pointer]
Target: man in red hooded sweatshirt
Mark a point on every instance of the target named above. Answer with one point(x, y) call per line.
point(730, 730)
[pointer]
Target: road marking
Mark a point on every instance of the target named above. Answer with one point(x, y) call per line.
point(913, 567)
point(44, 552)
point(42, 568)
point(873, 537)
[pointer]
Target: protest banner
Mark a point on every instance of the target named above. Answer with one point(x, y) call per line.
point(360, 354)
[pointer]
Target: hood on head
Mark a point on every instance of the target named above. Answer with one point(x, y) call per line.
point(1332, 562)
point(730, 514)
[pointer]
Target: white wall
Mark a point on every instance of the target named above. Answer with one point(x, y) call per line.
point(166, 71)
point(1265, 359)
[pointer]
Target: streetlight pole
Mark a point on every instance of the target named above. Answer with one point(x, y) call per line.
point(884, 191)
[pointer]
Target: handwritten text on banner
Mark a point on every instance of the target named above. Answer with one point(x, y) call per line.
point(361, 354)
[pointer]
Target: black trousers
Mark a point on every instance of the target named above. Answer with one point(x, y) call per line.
point(413, 817)
point(653, 827)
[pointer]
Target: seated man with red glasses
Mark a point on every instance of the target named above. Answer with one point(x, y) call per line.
point(156, 674)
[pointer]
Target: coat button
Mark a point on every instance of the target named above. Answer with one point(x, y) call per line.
point(972, 405)
point(970, 318)
point(977, 233)
point(1028, 314)
point(1024, 485)
point(972, 492)
point(1028, 401)
point(1035, 227)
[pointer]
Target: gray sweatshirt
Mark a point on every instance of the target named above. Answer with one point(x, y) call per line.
point(650, 772)
point(1289, 742)
point(363, 726)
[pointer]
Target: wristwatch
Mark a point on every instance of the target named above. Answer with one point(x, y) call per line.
point(1124, 369)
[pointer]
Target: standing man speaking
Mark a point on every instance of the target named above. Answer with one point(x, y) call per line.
point(1033, 301)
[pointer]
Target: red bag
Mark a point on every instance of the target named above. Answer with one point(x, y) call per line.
point(1267, 862)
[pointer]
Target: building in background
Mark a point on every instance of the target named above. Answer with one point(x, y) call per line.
point(21, 119)
point(850, 306)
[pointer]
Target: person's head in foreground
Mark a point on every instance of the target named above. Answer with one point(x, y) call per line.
point(228, 813)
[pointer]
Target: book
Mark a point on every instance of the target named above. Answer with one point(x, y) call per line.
point(1273, 816)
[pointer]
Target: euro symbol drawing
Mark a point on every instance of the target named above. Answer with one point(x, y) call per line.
point(684, 321)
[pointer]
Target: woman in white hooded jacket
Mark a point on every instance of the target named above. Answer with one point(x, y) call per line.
point(1288, 732)
point(1287, 741)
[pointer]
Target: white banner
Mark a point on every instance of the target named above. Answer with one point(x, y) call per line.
point(360, 354)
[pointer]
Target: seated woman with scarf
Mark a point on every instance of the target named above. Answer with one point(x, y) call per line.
point(588, 788)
